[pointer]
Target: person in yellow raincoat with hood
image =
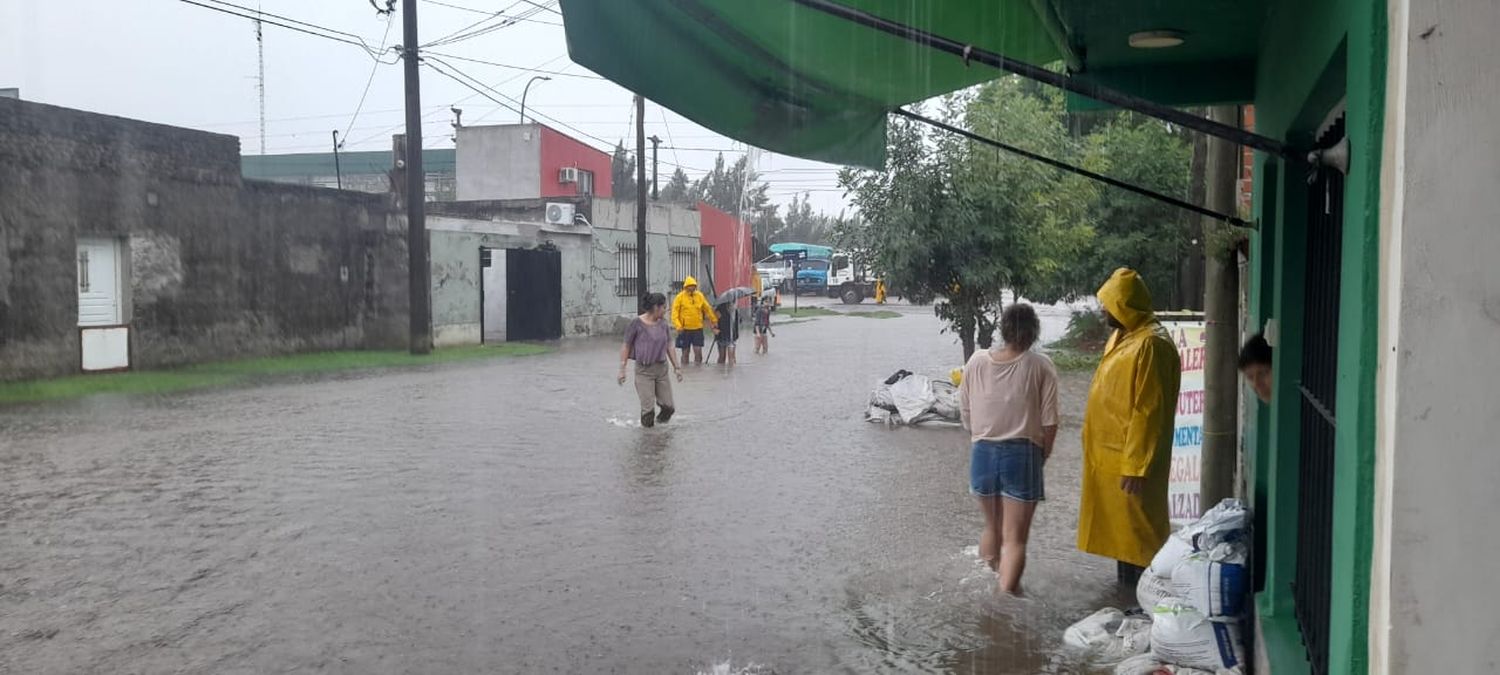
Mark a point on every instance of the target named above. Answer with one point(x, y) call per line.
point(688, 311)
point(1127, 431)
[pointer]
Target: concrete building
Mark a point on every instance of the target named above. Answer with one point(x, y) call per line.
point(501, 272)
point(528, 161)
point(362, 171)
point(126, 244)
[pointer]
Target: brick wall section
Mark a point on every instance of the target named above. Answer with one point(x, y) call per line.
point(219, 268)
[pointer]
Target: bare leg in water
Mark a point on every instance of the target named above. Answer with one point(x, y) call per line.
point(1002, 544)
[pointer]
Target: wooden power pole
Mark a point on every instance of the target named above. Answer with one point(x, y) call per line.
point(419, 275)
point(640, 197)
point(1221, 387)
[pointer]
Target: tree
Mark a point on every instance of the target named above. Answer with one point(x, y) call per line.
point(678, 189)
point(737, 189)
point(914, 229)
point(802, 224)
point(622, 173)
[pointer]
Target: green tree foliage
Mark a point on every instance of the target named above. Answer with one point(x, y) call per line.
point(678, 189)
point(622, 173)
point(954, 221)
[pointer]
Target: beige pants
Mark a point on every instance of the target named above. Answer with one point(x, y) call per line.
point(653, 386)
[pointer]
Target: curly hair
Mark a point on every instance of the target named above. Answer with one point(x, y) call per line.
point(652, 301)
point(1019, 326)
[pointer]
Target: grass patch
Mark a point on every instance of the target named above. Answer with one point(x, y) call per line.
point(806, 312)
point(1074, 361)
point(875, 314)
point(234, 372)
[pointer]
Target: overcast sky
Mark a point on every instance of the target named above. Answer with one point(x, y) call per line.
point(175, 63)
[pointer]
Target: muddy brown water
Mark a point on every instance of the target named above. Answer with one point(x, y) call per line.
point(508, 517)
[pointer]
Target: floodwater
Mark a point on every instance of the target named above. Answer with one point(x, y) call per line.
point(510, 517)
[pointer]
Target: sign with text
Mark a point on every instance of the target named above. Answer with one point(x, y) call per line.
point(1187, 438)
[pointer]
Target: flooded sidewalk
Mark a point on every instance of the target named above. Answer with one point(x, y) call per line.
point(511, 517)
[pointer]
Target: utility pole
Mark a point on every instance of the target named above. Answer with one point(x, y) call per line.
point(419, 276)
point(338, 172)
point(655, 144)
point(640, 197)
point(1221, 318)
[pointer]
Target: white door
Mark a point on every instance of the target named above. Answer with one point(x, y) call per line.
point(492, 278)
point(105, 340)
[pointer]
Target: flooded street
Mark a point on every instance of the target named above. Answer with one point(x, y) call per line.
point(509, 516)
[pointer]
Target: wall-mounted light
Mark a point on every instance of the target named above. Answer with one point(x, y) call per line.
point(1157, 39)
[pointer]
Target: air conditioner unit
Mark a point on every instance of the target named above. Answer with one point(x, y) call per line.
point(567, 174)
point(560, 214)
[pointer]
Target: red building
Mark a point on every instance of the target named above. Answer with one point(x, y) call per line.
point(726, 248)
point(528, 161)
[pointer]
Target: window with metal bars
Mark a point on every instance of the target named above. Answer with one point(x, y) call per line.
point(625, 281)
point(685, 264)
point(1318, 389)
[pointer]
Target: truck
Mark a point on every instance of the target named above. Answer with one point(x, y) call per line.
point(820, 270)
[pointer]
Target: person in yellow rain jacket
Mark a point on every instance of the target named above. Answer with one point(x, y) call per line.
point(689, 310)
point(1127, 431)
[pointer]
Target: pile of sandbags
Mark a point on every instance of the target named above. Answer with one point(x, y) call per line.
point(1196, 590)
point(907, 398)
point(1194, 596)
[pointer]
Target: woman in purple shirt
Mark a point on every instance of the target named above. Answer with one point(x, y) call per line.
point(648, 341)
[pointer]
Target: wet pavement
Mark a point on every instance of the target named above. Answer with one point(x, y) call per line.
point(508, 516)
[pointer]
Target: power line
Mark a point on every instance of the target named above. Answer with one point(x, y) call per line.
point(389, 20)
point(513, 67)
point(329, 34)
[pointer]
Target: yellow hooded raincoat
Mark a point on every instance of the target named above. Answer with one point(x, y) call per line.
point(689, 308)
point(1127, 429)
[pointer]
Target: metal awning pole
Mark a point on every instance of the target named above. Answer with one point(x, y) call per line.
point(1168, 199)
point(1099, 93)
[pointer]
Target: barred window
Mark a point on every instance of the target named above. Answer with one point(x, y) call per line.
point(625, 281)
point(684, 263)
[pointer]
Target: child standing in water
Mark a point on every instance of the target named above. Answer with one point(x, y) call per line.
point(728, 332)
point(762, 327)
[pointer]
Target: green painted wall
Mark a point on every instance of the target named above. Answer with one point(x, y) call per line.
point(1314, 55)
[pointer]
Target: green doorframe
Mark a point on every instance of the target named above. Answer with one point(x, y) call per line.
point(1332, 50)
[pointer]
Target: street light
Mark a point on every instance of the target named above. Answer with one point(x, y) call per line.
point(526, 91)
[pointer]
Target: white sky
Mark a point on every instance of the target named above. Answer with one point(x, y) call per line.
point(170, 62)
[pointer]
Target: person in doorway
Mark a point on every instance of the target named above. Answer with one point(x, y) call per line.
point(727, 333)
point(1255, 364)
point(1008, 402)
point(688, 313)
point(762, 327)
point(648, 341)
point(1127, 431)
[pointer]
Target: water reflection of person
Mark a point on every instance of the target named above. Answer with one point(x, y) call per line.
point(1127, 431)
point(648, 341)
point(1255, 363)
point(1008, 402)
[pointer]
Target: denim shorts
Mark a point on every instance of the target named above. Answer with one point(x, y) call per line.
point(1010, 468)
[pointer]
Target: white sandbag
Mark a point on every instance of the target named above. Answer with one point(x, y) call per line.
point(1095, 631)
point(1152, 590)
point(1213, 582)
point(1224, 523)
point(945, 400)
point(1143, 664)
point(1169, 556)
point(1183, 636)
point(912, 396)
point(1107, 636)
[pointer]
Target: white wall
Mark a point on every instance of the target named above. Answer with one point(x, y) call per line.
point(1433, 598)
point(499, 162)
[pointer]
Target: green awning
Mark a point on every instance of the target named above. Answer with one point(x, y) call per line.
point(793, 80)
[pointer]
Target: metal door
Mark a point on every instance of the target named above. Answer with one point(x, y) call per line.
point(533, 290)
point(104, 341)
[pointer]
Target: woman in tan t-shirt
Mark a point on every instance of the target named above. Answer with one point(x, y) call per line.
point(1008, 402)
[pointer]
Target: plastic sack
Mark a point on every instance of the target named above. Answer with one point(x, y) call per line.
point(945, 400)
point(1152, 590)
point(1107, 636)
point(1183, 636)
point(1224, 523)
point(1143, 664)
point(1213, 582)
point(912, 396)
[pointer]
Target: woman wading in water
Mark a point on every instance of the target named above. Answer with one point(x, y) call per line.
point(649, 342)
